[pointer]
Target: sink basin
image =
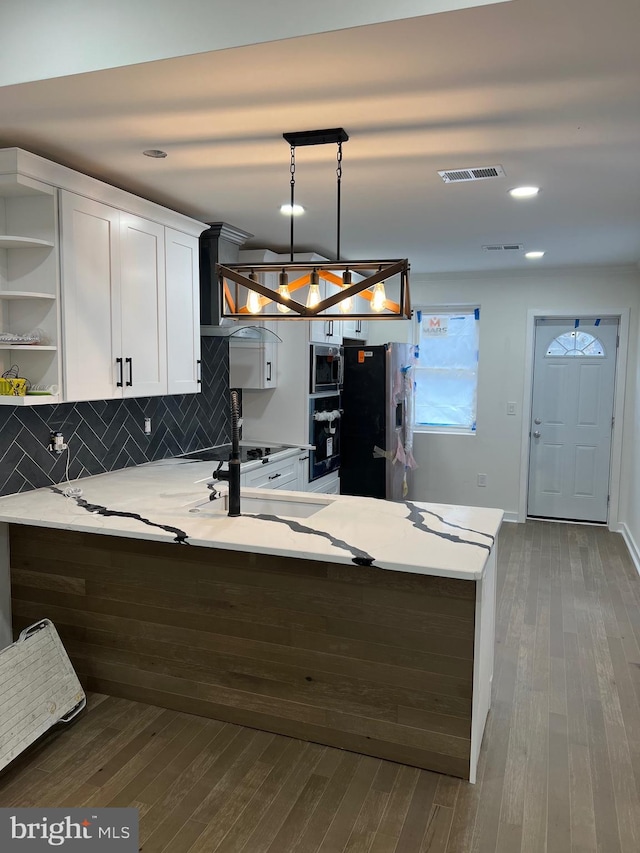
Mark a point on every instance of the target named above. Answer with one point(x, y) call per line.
point(284, 507)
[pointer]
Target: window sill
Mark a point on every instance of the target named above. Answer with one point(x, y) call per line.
point(443, 431)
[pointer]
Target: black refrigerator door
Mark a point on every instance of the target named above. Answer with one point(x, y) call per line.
point(363, 422)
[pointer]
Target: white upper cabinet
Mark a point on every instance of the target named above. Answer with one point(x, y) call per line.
point(326, 331)
point(183, 312)
point(110, 280)
point(253, 365)
point(114, 310)
point(91, 306)
point(355, 329)
point(143, 311)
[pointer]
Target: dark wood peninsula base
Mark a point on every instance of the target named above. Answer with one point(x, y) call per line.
point(377, 662)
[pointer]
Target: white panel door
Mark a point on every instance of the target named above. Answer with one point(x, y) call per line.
point(90, 298)
point(183, 312)
point(143, 303)
point(572, 419)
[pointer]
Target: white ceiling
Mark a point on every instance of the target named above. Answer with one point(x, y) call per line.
point(549, 90)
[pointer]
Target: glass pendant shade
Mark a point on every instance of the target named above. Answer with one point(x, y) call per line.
point(313, 296)
point(283, 290)
point(379, 297)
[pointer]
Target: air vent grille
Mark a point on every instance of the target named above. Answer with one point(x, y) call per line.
point(480, 173)
point(504, 247)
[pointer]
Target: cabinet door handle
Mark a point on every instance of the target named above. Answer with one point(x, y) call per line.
point(268, 371)
point(120, 377)
point(330, 332)
point(274, 476)
point(359, 327)
point(129, 361)
point(199, 371)
point(302, 458)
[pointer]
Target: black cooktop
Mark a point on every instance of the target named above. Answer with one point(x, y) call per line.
point(222, 453)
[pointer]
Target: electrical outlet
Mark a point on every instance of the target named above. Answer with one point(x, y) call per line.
point(482, 479)
point(147, 426)
point(57, 442)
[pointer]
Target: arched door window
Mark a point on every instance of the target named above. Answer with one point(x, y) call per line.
point(576, 343)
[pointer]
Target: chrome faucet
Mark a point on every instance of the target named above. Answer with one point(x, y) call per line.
point(232, 476)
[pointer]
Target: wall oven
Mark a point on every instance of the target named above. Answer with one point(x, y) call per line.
point(326, 368)
point(324, 433)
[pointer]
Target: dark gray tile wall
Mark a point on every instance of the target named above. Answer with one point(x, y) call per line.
point(104, 435)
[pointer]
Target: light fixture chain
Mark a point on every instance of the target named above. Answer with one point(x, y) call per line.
point(339, 193)
point(292, 169)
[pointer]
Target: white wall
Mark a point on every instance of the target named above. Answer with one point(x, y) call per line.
point(40, 39)
point(449, 464)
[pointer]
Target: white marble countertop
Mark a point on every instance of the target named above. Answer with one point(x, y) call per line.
point(156, 501)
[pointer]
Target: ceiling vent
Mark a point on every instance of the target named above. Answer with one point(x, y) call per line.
point(504, 247)
point(482, 173)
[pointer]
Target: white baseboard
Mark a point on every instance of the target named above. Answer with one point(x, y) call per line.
point(511, 516)
point(630, 542)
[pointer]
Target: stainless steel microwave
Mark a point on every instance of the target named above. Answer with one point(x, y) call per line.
point(327, 369)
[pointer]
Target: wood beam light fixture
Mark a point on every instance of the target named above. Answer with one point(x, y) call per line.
point(369, 289)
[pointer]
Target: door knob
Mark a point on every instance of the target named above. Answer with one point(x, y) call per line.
point(537, 421)
point(537, 434)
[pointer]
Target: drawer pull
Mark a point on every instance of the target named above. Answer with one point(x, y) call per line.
point(273, 476)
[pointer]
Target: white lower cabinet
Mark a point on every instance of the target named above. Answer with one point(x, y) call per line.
point(329, 485)
point(281, 474)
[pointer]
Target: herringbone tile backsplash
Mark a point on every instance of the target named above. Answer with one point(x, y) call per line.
point(104, 435)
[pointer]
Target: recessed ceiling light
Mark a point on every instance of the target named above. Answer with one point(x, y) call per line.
point(534, 256)
point(296, 210)
point(524, 192)
point(155, 152)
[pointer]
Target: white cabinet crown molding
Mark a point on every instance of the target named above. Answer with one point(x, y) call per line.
point(17, 160)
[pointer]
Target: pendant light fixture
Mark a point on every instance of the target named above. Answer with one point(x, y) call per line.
point(249, 282)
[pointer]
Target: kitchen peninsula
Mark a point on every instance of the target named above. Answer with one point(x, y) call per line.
point(362, 624)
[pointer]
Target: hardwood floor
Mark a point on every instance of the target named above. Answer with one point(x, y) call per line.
point(559, 769)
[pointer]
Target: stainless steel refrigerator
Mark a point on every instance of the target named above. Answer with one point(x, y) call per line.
point(376, 435)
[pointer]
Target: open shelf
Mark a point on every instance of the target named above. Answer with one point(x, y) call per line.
point(24, 294)
point(28, 400)
point(9, 242)
point(32, 347)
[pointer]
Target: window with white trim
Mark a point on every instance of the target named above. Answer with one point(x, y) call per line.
point(446, 373)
